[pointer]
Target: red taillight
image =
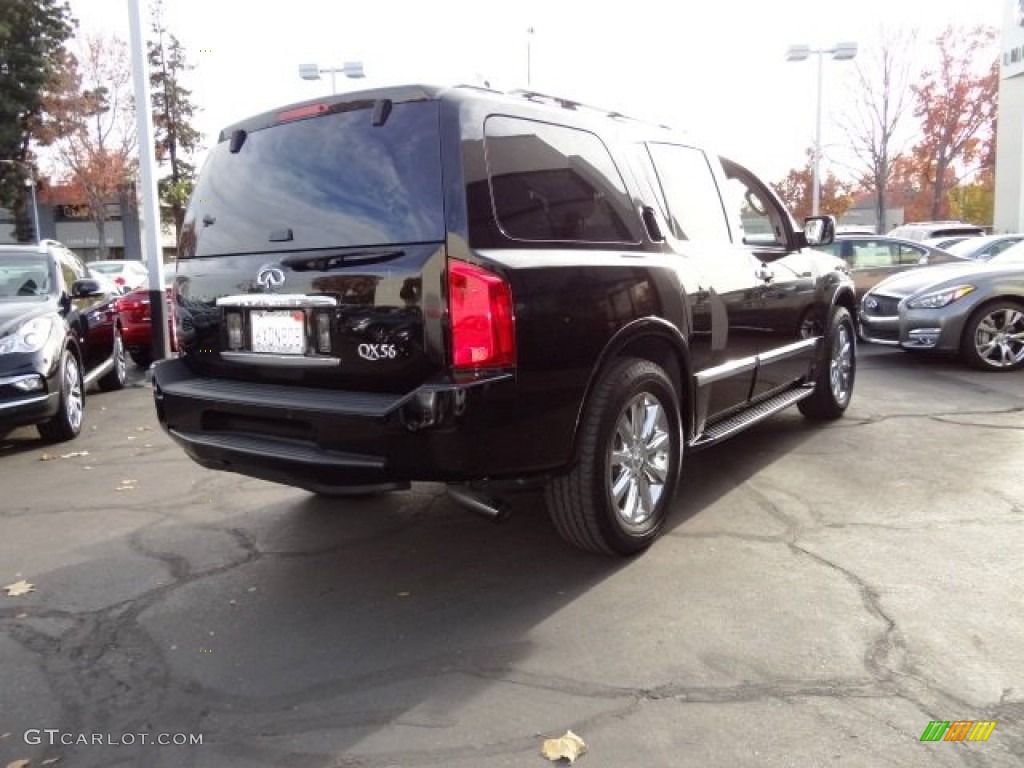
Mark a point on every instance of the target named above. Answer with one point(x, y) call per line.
point(130, 304)
point(310, 110)
point(483, 324)
point(119, 280)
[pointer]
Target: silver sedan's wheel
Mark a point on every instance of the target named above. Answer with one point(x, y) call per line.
point(994, 337)
point(638, 459)
point(616, 497)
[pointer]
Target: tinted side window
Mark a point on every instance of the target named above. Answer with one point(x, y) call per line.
point(908, 254)
point(694, 203)
point(555, 183)
point(71, 268)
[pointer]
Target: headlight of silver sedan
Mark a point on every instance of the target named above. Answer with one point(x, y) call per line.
point(29, 337)
point(941, 298)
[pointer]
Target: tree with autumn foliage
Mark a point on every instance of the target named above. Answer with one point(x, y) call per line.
point(797, 190)
point(955, 102)
point(95, 132)
point(173, 110)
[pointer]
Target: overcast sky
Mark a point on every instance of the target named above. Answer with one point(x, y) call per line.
point(718, 69)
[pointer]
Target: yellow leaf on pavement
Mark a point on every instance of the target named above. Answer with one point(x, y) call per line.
point(568, 747)
point(19, 588)
point(19, 764)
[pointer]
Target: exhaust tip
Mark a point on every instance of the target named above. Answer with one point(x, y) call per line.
point(494, 509)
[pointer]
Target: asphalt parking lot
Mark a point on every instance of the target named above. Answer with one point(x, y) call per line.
point(822, 595)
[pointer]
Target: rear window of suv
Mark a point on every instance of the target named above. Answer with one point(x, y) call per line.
point(330, 181)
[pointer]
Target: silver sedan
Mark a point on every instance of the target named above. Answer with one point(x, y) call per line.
point(974, 310)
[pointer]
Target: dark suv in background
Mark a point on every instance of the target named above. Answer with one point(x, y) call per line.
point(492, 290)
point(59, 333)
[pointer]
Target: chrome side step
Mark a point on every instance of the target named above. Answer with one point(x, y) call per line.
point(720, 430)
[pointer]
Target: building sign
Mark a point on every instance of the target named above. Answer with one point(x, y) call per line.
point(1013, 39)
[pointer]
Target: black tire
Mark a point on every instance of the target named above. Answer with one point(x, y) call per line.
point(835, 370)
point(117, 375)
point(584, 507)
point(988, 328)
point(66, 424)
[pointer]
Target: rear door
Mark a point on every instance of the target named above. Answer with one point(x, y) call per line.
point(313, 248)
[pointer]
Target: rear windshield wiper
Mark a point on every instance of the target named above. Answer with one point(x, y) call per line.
point(302, 262)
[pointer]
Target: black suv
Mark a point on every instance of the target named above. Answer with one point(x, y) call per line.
point(59, 333)
point(490, 289)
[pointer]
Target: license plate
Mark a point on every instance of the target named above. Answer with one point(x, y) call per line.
point(280, 332)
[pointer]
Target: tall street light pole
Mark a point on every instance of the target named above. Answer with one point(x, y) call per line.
point(30, 182)
point(840, 52)
point(352, 69)
point(529, 53)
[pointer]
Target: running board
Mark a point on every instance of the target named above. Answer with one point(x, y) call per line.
point(760, 411)
point(100, 370)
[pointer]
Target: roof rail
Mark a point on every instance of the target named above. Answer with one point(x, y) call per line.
point(565, 103)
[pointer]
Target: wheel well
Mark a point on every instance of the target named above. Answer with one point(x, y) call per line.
point(846, 299)
point(660, 350)
point(1010, 298)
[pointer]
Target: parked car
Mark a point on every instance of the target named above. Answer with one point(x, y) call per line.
point(975, 310)
point(137, 324)
point(872, 258)
point(985, 247)
point(492, 290)
point(924, 230)
point(59, 333)
point(126, 273)
point(943, 243)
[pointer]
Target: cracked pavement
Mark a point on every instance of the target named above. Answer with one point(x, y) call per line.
point(822, 593)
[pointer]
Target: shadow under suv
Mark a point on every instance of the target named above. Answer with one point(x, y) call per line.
point(489, 290)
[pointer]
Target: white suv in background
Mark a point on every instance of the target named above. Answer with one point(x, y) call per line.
point(127, 274)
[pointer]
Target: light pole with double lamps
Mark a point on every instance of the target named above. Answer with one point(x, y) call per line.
point(840, 52)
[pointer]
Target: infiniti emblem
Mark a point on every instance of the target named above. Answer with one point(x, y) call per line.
point(269, 278)
point(872, 304)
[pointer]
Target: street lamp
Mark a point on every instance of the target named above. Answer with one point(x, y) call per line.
point(353, 69)
point(30, 182)
point(840, 52)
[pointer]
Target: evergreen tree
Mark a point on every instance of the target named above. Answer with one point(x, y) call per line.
point(32, 55)
point(173, 111)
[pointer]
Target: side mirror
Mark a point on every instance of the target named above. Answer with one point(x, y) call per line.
point(819, 230)
point(86, 287)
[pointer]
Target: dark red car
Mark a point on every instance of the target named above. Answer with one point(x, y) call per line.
point(137, 327)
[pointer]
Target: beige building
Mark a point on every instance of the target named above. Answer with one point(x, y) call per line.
point(1009, 192)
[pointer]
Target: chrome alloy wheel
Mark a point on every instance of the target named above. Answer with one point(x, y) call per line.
point(638, 459)
point(841, 364)
point(999, 337)
point(74, 402)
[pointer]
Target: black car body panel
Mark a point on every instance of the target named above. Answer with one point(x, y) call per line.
point(81, 321)
point(319, 325)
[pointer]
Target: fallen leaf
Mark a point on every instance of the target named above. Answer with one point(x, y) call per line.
point(20, 616)
point(47, 457)
point(50, 761)
point(73, 454)
point(403, 594)
point(19, 764)
point(568, 747)
point(4, 736)
point(143, 429)
point(19, 588)
point(86, 467)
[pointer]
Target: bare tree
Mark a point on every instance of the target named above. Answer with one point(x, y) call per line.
point(97, 144)
point(878, 112)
